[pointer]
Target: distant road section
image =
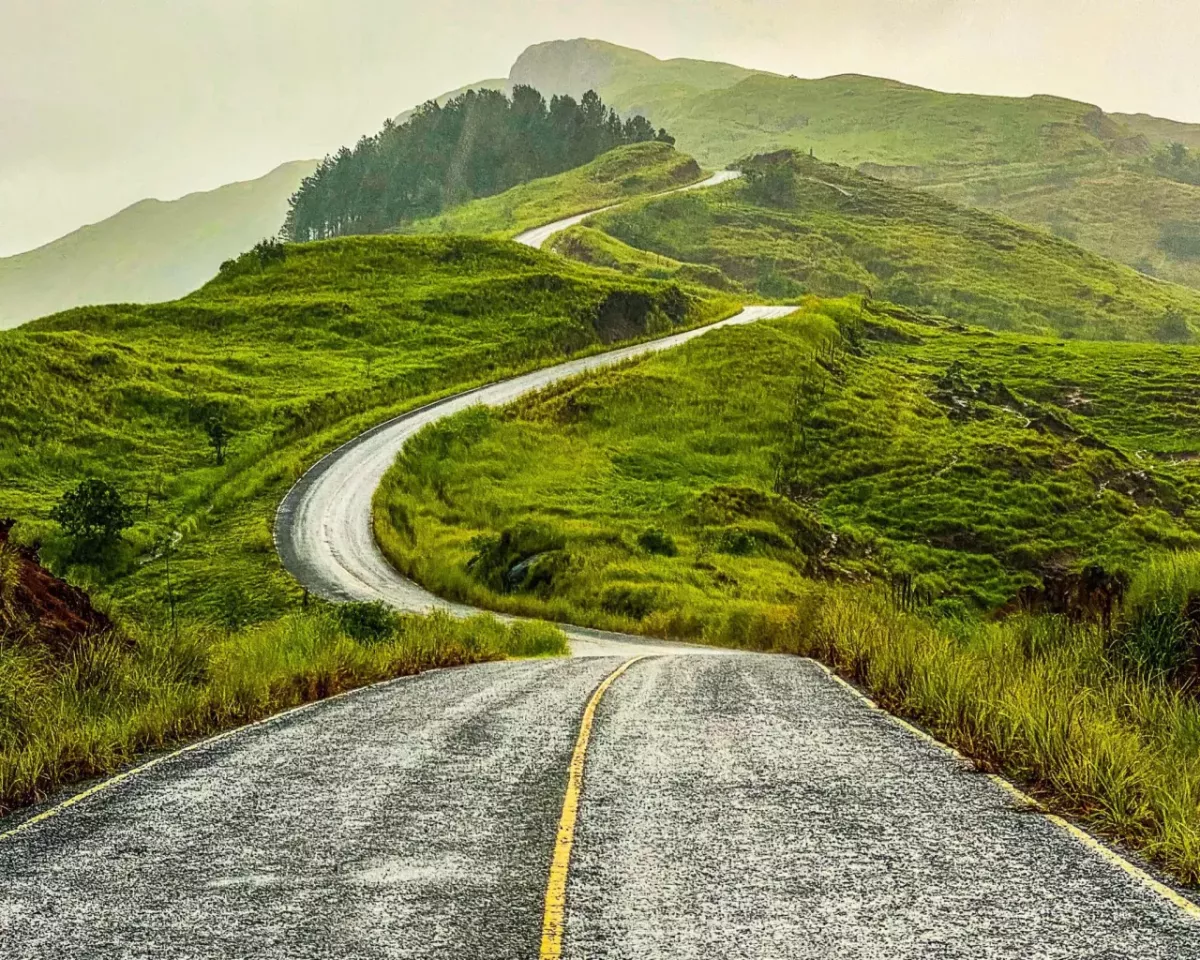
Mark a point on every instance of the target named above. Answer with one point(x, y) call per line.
point(538, 236)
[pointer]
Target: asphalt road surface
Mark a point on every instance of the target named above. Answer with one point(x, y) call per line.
point(732, 806)
point(740, 806)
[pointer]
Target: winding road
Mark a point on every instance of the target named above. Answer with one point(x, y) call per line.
point(639, 800)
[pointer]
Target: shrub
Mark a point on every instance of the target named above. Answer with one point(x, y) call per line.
point(628, 600)
point(93, 516)
point(658, 542)
point(527, 557)
point(1158, 636)
point(367, 623)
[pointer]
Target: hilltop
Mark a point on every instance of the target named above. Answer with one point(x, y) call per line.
point(1060, 164)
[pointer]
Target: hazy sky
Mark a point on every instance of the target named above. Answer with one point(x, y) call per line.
point(104, 102)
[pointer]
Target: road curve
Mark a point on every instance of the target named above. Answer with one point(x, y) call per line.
point(538, 236)
point(323, 529)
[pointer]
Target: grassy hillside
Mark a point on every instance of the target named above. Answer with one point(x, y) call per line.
point(152, 251)
point(807, 227)
point(299, 353)
point(1043, 160)
point(1123, 214)
point(296, 349)
point(632, 171)
point(869, 487)
point(978, 463)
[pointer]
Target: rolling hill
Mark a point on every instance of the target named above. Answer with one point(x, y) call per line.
point(796, 226)
point(1048, 161)
point(149, 252)
point(1057, 163)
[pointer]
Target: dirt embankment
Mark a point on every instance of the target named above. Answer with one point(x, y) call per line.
point(37, 607)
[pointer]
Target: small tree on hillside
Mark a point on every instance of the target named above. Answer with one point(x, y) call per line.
point(93, 516)
point(219, 434)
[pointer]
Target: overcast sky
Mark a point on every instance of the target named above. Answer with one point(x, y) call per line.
point(104, 102)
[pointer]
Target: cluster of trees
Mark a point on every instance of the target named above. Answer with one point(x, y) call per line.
point(1176, 162)
point(478, 144)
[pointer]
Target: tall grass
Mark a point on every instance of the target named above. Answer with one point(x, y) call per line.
point(1159, 634)
point(120, 696)
point(1035, 698)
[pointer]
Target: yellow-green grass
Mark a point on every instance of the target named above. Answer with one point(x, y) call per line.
point(117, 698)
point(974, 463)
point(303, 351)
point(830, 231)
point(632, 171)
point(1035, 699)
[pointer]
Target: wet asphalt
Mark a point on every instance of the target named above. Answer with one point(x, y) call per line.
point(741, 806)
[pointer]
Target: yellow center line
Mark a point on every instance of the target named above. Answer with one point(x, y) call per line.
point(556, 888)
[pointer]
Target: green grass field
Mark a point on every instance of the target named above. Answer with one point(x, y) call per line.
point(620, 174)
point(302, 348)
point(796, 485)
point(826, 230)
point(302, 353)
point(976, 463)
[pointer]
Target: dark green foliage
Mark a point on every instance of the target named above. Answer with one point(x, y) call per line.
point(367, 623)
point(93, 516)
point(1176, 162)
point(1173, 328)
point(658, 542)
point(1158, 636)
point(219, 435)
point(771, 181)
point(479, 144)
point(524, 558)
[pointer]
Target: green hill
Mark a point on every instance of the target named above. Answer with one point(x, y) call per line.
point(152, 251)
point(620, 174)
point(797, 226)
point(1048, 161)
point(296, 347)
point(858, 443)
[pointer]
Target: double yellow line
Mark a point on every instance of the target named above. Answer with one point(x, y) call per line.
point(554, 919)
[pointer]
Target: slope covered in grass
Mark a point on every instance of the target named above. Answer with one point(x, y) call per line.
point(632, 171)
point(869, 487)
point(797, 226)
point(297, 349)
point(298, 353)
point(976, 463)
point(152, 251)
point(1125, 214)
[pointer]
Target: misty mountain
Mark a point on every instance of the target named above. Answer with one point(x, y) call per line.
point(1060, 164)
point(152, 251)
